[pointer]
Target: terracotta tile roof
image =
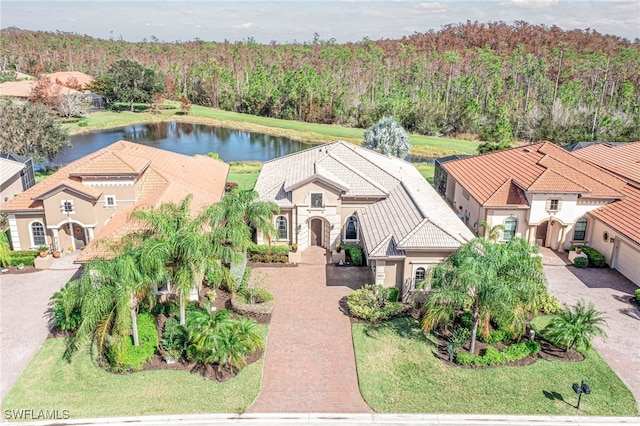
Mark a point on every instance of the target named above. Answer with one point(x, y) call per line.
point(405, 198)
point(23, 88)
point(66, 78)
point(623, 215)
point(539, 167)
point(166, 176)
point(74, 186)
point(621, 159)
point(509, 194)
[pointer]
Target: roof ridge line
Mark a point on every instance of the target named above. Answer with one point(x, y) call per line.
point(414, 230)
point(358, 172)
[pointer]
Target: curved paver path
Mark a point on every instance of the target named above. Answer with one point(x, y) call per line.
point(610, 292)
point(309, 361)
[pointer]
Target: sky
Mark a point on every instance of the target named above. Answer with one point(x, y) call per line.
point(298, 20)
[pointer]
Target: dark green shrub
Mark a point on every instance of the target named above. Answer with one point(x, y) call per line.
point(125, 356)
point(534, 347)
point(394, 293)
point(516, 351)
point(174, 338)
point(371, 303)
point(355, 253)
point(65, 322)
point(496, 336)
point(580, 262)
point(638, 294)
point(465, 358)
point(20, 260)
point(596, 259)
point(492, 356)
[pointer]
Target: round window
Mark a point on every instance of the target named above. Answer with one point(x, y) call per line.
point(605, 236)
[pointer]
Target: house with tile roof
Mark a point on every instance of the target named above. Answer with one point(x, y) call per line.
point(615, 230)
point(340, 193)
point(91, 198)
point(16, 175)
point(545, 194)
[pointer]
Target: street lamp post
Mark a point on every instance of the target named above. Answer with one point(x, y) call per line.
point(580, 389)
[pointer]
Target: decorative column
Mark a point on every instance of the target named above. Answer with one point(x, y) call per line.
point(563, 229)
point(56, 239)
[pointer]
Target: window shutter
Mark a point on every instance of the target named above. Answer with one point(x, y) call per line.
point(548, 206)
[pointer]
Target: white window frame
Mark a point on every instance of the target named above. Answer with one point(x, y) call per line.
point(346, 223)
point(321, 194)
point(551, 208)
point(110, 204)
point(63, 206)
point(286, 223)
point(586, 227)
point(31, 236)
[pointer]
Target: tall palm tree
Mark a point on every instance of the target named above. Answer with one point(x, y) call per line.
point(177, 247)
point(499, 281)
point(574, 328)
point(232, 221)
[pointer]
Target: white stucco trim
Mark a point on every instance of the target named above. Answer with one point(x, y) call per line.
point(77, 222)
point(44, 229)
point(15, 236)
point(108, 182)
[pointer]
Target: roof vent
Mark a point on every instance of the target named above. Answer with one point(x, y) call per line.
point(527, 150)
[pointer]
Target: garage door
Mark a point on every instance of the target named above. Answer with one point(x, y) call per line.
point(628, 262)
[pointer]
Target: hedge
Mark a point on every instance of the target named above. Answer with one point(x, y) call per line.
point(266, 254)
point(355, 253)
point(596, 259)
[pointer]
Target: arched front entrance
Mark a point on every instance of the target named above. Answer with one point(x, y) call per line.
point(79, 236)
point(316, 232)
point(541, 233)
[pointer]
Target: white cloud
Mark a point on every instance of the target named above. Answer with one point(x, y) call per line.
point(530, 4)
point(244, 26)
point(432, 7)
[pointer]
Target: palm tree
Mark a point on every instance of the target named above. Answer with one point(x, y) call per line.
point(576, 328)
point(108, 294)
point(233, 220)
point(177, 248)
point(388, 137)
point(492, 233)
point(493, 281)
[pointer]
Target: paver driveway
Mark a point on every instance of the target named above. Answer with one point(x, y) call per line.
point(23, 317)
point(610, 292)
point(310, 364)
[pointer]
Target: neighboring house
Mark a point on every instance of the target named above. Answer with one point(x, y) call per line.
point(342, 193)
point(23, 89)
point(616, 227)
point(16, 175)
point(540, 192)
point(91, 198)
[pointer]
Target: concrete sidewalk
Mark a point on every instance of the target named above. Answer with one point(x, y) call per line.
point(24, 323)
point(339, 419)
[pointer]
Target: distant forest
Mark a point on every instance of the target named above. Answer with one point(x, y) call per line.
point(493, 81)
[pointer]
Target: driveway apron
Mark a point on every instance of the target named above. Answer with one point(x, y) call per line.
point(309, 360)
point(610, 292)
point(24, 322)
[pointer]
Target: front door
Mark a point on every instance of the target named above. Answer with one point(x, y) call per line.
point(316, 232)
point(541, 233)
point(79, 236)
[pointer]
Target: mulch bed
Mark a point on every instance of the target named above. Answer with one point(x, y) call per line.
point(548, 352)
point(14, 270)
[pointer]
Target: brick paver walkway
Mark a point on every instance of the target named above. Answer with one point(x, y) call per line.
point(610, 292)
point(310, 364)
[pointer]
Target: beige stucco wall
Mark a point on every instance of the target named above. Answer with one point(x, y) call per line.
point(83, 209)
point(463, 207)
point(499, 217)
point(10, 188)
point(21, 233)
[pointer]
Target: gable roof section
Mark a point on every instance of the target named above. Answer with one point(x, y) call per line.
point(509, 194)
point(72, 186)
point(541, 167)
point(623, 215)
point(621, 159)
point(109, 163)
point(9, 168)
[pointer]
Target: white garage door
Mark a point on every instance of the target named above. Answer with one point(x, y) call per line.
point(628, 262)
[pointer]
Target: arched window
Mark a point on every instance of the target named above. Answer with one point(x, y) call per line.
point(37, 234)
point(351, 228)
point(580, 230)
point(509, 228)
point(420, 275)
point(281, 227)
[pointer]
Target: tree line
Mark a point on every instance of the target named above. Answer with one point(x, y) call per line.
point(494, 81)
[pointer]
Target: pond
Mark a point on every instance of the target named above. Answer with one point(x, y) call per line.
point(185, 138)
point(188, 139)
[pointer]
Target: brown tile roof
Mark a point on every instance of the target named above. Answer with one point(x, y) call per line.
point(542, 167)
point(69, 78)
point(23, 88)
point(623, 215)
point(509, 194)
point(112, 163)
point(74, 186)
point(623, 160)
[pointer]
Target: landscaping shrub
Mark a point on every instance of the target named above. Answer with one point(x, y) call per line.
point(394, 293)
point(174, 338)
point(596, 259)
point(20, 259)
point(496, 336)
point(371, 303)
point(580, 262)
point(65, 322)
point(355, 253)
point(265, 254)
point(638, 294)
point(550, 304)
point(125, 356)
point(254, 295)
point(465, 358)
point(520, 350)
point(493, 356)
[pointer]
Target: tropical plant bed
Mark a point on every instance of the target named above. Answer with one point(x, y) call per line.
point(271, 265)
point(28, 269)
point(223, 301)
point(548, 351)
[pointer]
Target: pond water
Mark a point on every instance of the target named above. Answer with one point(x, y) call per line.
point(188, 139)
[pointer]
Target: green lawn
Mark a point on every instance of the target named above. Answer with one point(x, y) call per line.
point(426, 146)
point(244, 173)
point(399, 374)
point(86, 390)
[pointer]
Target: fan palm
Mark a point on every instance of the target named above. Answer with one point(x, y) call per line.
point(388, 137)
point(575, 328)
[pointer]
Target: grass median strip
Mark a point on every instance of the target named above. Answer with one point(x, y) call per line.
point(85, 390)
point(398, 373)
